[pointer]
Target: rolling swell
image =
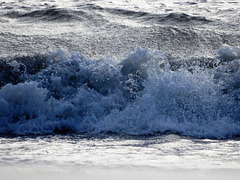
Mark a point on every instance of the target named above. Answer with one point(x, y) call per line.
point(171, 18)
point(140, 95)
point(90, 12)
point(182, 17)
point(50, 15)
point(55, 14)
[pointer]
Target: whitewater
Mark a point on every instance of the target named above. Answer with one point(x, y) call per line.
point(146, 85)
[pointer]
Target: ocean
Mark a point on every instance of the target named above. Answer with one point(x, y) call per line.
point(133, 89)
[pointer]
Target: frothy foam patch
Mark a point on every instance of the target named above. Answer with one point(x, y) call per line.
point(229, 53)
point(141, 95)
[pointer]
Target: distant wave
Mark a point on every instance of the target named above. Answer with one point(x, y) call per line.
point(144, 94)
point(182, 17)
point(51, 14)
point(91, 13)
point(55, 14)
point(159, 18)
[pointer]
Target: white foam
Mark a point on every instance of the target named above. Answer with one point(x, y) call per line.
point(229, 53)
point(139, 96)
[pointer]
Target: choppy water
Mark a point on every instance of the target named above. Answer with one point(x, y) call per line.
point(141, 71)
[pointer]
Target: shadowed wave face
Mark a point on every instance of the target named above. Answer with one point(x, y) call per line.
point(58, 15)
point(143, 94)
point(170, 18)
point(92, 13)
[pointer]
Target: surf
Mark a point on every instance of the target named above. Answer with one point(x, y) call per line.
point(141, 94)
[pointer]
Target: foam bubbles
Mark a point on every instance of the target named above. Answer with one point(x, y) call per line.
point(229, 53)
point(141, 95)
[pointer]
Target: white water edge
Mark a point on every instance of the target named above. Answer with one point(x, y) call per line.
point(118, 157)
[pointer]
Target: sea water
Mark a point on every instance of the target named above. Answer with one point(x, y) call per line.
point(97, 87)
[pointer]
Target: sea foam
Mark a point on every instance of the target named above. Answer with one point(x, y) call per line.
point(139, 95)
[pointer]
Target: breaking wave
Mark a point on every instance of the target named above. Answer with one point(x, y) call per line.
point(144, 94)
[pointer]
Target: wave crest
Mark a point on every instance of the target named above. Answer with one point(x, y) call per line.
point(141, 95)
